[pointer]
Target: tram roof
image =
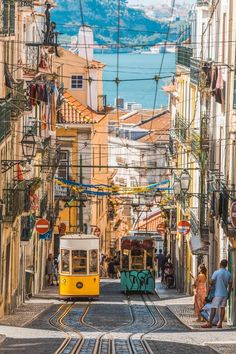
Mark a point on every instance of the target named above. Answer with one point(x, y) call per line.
point(138, 237)
point(78, 237)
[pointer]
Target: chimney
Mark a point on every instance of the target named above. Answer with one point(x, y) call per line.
point(86, 43)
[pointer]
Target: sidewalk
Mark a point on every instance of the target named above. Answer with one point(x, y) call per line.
point(32, 308)
point(181, 306)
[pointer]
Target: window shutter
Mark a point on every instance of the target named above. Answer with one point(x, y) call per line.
point(12, 16)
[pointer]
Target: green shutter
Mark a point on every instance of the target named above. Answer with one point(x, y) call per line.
point(12, 16)
point(5, 17)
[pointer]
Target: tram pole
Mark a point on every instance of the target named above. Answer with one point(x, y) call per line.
point(81, 221)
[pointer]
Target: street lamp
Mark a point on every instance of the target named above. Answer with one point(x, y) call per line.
point(185, 180)
point(28, 144)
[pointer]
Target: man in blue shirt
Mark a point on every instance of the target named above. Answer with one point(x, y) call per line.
point(222, 282)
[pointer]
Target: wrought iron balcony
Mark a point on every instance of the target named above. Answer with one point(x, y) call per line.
point(183, 55)
point(43, 205)
point(27, 227)
point(171, 147)
point(16, 200)
point(5, 119)
point(181, 129)
point(26, 3)
point(199, 70)
point(204, 2)
point(194, 222)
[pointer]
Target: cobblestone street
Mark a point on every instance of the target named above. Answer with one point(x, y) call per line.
point(115, 323)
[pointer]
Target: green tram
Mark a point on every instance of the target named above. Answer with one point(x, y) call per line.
point(138, 264)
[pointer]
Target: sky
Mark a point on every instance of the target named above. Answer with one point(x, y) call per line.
point(154, 2)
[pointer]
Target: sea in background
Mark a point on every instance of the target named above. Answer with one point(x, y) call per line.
point(137, 66)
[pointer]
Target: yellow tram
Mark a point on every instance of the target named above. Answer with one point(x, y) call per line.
point(79, 266)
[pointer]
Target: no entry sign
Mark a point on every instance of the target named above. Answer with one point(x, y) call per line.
point(233, 214)
point(42, 226)
point(183, 227)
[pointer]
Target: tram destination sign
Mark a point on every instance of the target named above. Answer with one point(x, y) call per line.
point(183, 227)
point(42, 226)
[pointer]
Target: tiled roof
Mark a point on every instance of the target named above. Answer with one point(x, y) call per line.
point(158, 129)
point(72, 111)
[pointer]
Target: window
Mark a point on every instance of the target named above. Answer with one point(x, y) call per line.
point(76, 81)
point(63, 168)
point(93, 261)
point(79, 262)
point(65, 261)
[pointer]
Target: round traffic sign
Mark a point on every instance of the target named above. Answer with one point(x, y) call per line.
point(42, 226)
point(233, 214)
point(183, 227)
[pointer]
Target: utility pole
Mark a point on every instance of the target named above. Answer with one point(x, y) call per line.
point(81, 219)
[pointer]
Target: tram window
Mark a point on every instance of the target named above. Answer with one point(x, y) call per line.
point(93, 261)
point(79, 262)
point(125, 261)
point(137, 259)
point(65, 261)
point(149, 260)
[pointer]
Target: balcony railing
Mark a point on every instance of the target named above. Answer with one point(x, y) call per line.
point(27, 227)
point(43, 205)
point(199, 70)
point(5, 120)
point(16, 200)
point(183, 55)
point(204, 2)
point(26, 3)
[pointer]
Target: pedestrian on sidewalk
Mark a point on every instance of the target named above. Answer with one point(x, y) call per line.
point(161, 262)
point(200, 291)
point(222, 281)
point(111, 269)
point(55, 270)
point(50, 269)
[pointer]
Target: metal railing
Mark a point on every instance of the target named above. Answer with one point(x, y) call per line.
point(183, 55)
point(16, 200)
point(43, 205)
point(26, 3)
point(204, 2)
point(5, 120)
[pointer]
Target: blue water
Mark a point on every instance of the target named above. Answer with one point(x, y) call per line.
point(137, 66)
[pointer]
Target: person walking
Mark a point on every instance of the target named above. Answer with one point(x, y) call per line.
point(222, 282)
point(161, 262)
point(111, 269)
point(200, 291)
point(50, 269)
point(55, 270)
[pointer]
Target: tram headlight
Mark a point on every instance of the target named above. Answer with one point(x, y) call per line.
point(79, 285)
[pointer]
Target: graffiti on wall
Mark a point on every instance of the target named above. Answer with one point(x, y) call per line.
point(135, 280)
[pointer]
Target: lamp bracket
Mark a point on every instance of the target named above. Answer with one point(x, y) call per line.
point(8, 164)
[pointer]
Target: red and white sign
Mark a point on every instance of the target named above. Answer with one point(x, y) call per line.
point(42, 226)
point(233, 214)
point(183, 227)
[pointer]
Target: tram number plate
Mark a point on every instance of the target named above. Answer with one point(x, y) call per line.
point(79, 285)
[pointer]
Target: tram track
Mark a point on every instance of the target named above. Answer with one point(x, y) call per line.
point(143, 314)
point(74, 338)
